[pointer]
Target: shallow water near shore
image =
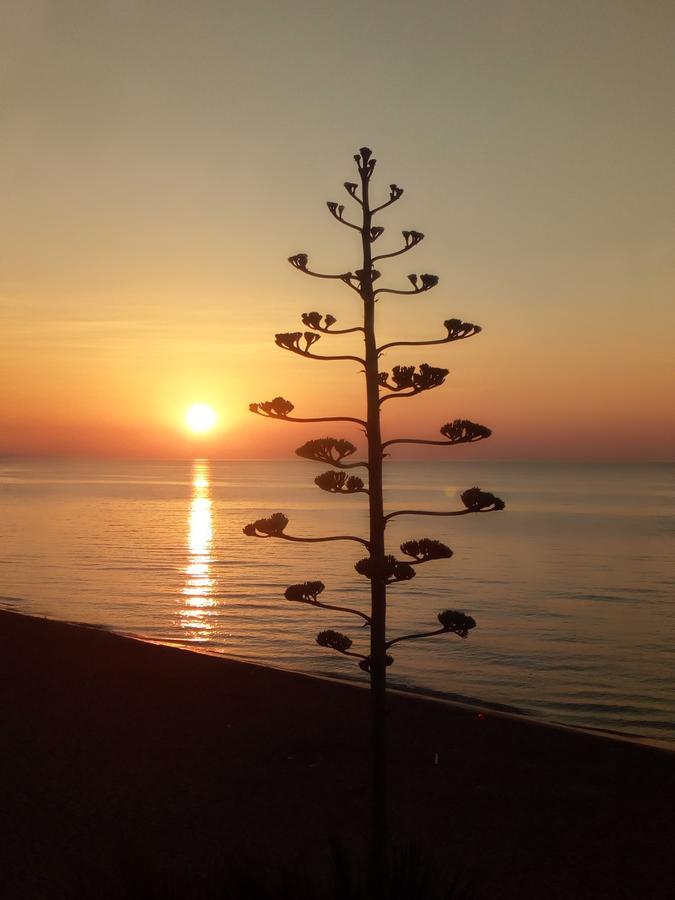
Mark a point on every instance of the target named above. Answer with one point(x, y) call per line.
point(572, 585)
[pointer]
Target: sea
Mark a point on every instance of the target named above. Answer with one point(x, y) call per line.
point(572, 586)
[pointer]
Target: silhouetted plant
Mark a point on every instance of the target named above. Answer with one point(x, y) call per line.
point(380, 568)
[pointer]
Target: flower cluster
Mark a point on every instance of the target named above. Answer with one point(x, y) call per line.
point(299, 261)
point(339, 483)
point(272, 527)
point(423, 282)
point(456, 622)
point(403, 377)
point(291, 341)
point(375, 232)
point(365, 161)
point(307, 592)
point(336, 209)
point(462, 431)
point(329, 450)
point(334, 639)
point(351, 187)
point(392, 569)
point(365, 274)
point(458, 329)
point(277, 408)
point(395, 192)
point(313, 320)
point(426, 549)
point(412, 238)
point(479, 501)
point(365, 663)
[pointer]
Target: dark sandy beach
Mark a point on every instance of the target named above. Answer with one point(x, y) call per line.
point(119, 757)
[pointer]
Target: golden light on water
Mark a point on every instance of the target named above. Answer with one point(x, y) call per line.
point(201, 418)
point(199, 586)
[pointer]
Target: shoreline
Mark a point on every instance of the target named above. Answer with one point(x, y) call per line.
point(120, 756)
point(466, 703)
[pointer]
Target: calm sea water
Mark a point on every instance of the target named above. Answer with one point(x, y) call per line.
point(571, 586)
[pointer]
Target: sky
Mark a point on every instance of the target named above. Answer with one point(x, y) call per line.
point(161, 160)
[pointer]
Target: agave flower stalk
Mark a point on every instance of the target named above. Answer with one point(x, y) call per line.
point(382, 569)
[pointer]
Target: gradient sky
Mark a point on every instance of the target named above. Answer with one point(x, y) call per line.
point(161, 160)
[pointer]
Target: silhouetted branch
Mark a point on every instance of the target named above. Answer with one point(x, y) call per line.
point(452, 622)
point(336, 211)
point(308, 593)
point(457, 331)
point(274, 409)
point(290, 340)
point(340, 483)
point(337, 641)
point(473, 499)
point(365, 162)
point(274, 527)
point(313, 320)
point(395, 193)
point(426, 282)
point(460, 431)
point(404, 377)
point(299, 261)
point(350, 187)
point(411, 238)
point(331, 451)
point(390, 571)
point(425, 550)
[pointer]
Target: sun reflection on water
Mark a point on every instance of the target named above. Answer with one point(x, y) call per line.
point(198, 599)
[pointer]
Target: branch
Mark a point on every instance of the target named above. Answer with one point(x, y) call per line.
point(391, 570)
point(313, 320)
point(457, 331)
point(452, 622)
point(403, 377)
point(290, 340)
point(337, 641)
point(309, 421)
point(427, 282)
point(350, 187)
point(473, 499)
point(460, 431)
point(425, 550)
point(336, 211)
point(411, 238)
point(300, 260)
point(274, 526)
point(279, 408)
point(410, 637)
point(339, 537)
point(395, 193)
point(308, 593)
point(331, 451)
point(340, 483)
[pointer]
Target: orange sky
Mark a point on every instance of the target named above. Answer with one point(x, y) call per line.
point(159, 167)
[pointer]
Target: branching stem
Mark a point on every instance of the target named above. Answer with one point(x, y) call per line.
point(320, 419)
point(432, 443)
point(410, 637)
point(426, 512)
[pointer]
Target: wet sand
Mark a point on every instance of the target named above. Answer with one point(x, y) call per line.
point(119, 757)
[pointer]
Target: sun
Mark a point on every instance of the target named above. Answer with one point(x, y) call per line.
point(200, 418)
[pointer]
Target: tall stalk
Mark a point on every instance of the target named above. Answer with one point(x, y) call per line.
point(380, 568)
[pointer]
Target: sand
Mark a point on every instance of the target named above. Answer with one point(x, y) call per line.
point(119, 757)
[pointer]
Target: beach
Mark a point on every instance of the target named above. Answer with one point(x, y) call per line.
point(123, 760)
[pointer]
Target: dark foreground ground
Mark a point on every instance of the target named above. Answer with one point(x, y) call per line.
point(130, 770)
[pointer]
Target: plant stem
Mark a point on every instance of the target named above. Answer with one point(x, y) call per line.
point(378, 676)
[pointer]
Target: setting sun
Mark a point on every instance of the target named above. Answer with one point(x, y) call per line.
point(200, 418)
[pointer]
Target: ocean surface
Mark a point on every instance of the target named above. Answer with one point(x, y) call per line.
point(572, 586)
